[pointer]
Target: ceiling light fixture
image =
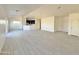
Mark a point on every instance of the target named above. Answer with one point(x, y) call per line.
point(17, 10)
point(59, 7)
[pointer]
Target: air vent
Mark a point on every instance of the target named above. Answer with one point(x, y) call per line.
point(59, 7)
point(17, 10)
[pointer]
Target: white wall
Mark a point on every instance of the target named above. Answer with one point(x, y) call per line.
point(3, 26)
point(74, 24)
point(35, 26)
point(2, 41)
point(61, 23)
point(47, 24)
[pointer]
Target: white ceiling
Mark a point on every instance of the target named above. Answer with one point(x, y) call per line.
point(37, 10)
point(56, 10)
point(9, 10)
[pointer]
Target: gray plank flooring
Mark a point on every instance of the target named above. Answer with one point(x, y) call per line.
point(40, 43)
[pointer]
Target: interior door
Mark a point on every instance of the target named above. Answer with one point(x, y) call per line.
point(75, 24)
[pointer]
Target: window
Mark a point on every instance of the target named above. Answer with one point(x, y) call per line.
point(2, 22)
point(16, 25)
point(16, 22)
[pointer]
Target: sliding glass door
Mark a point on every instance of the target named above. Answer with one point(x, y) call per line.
point(15, 25)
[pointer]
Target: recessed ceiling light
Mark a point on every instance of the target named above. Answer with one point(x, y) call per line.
point(17, 10)
point(59, 7)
